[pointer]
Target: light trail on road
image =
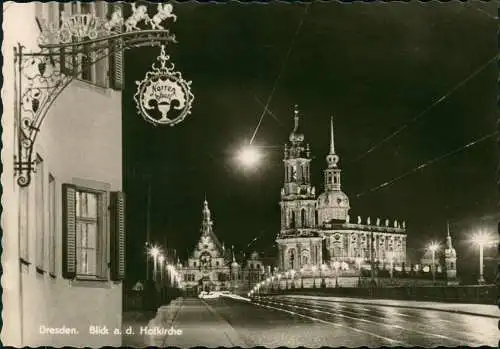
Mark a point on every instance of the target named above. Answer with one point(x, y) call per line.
point(307, 306)
point(392, 341)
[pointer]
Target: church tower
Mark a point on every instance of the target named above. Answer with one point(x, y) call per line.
point(296, 243)
point(450, 259)
point(297, 194)
point(333, 204)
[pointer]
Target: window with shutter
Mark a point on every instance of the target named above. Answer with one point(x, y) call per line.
point(69, 231)
point(40, 213)
point(117, 236)
point(116, 57)
point(24, 195)
point(84, 233)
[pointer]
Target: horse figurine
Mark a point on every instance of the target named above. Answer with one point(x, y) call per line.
point(115, 21)
point(164, 12)
point(138, 14)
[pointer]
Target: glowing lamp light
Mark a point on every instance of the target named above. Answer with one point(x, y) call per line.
point(161, 258)
point(249, 156)
point(482, 238)
point(433, 246)
point(154, 251)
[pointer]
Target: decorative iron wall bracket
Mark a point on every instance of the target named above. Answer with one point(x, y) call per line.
point(77, 43)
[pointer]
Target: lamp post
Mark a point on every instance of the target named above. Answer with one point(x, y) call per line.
point(481, 239)
point(433, 247)
point(154, 252)
point(161, 259)
point(314, 275)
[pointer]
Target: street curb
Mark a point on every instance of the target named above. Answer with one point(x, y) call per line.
point(165, 316)
point(423, 308)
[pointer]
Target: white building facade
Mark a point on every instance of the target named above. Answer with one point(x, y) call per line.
point(63, 234)
point(317, 233)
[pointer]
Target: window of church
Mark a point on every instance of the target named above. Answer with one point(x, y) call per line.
point(303, 217)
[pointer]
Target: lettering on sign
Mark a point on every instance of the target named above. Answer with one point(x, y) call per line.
point(163, 97)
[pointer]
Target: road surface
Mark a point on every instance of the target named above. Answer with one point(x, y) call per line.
point(300, 321)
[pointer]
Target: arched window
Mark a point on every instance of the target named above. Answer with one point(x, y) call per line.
point(303, 217)
point(304, 260)
point(335, 179)
point(292, 219)
point(316, 219)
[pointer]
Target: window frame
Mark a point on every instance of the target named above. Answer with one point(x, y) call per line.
point(102, 235)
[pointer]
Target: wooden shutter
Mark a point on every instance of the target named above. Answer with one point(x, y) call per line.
point(69, 231)
point(116, 57)
point(117, 236)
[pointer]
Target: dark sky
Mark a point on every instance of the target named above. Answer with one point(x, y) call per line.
point(374, 66)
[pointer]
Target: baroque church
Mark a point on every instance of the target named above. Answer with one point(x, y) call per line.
point(213, 267)
point(317, 232)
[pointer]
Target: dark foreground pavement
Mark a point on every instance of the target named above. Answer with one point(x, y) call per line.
point(292, 322)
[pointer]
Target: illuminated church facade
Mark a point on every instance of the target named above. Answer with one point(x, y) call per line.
point(213, 267)
point(317, 232)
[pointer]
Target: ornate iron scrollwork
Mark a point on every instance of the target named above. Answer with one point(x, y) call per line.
point(64, 47)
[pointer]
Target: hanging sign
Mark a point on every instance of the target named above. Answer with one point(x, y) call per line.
point(163, 97)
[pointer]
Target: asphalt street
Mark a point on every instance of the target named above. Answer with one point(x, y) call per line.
point(291, 321)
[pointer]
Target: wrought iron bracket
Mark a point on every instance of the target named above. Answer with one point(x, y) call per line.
point(41, 76)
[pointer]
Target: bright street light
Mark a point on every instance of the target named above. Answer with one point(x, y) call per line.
point(433, 247)
point(154, 251)
point(482, 239)
point(161, 258)
point(249, 156)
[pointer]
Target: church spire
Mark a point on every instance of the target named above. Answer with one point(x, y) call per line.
point(206, 224)
point(296, 138)
point(206, 210)
point(332, 159)
point(332, 143)
point(296, 118)
point(448, 236)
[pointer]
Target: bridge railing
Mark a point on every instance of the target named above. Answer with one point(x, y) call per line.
point(480, 294)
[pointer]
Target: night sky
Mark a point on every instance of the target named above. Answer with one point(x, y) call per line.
point(375, 67)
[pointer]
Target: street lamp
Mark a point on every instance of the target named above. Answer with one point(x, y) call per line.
point(433, 247)
point(154, 251)
point(481, 239)
point(314, 275)
point(161, 259)
point(249, 156)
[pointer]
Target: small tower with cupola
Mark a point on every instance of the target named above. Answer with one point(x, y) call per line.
point(450, 259)
point(332, 204)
